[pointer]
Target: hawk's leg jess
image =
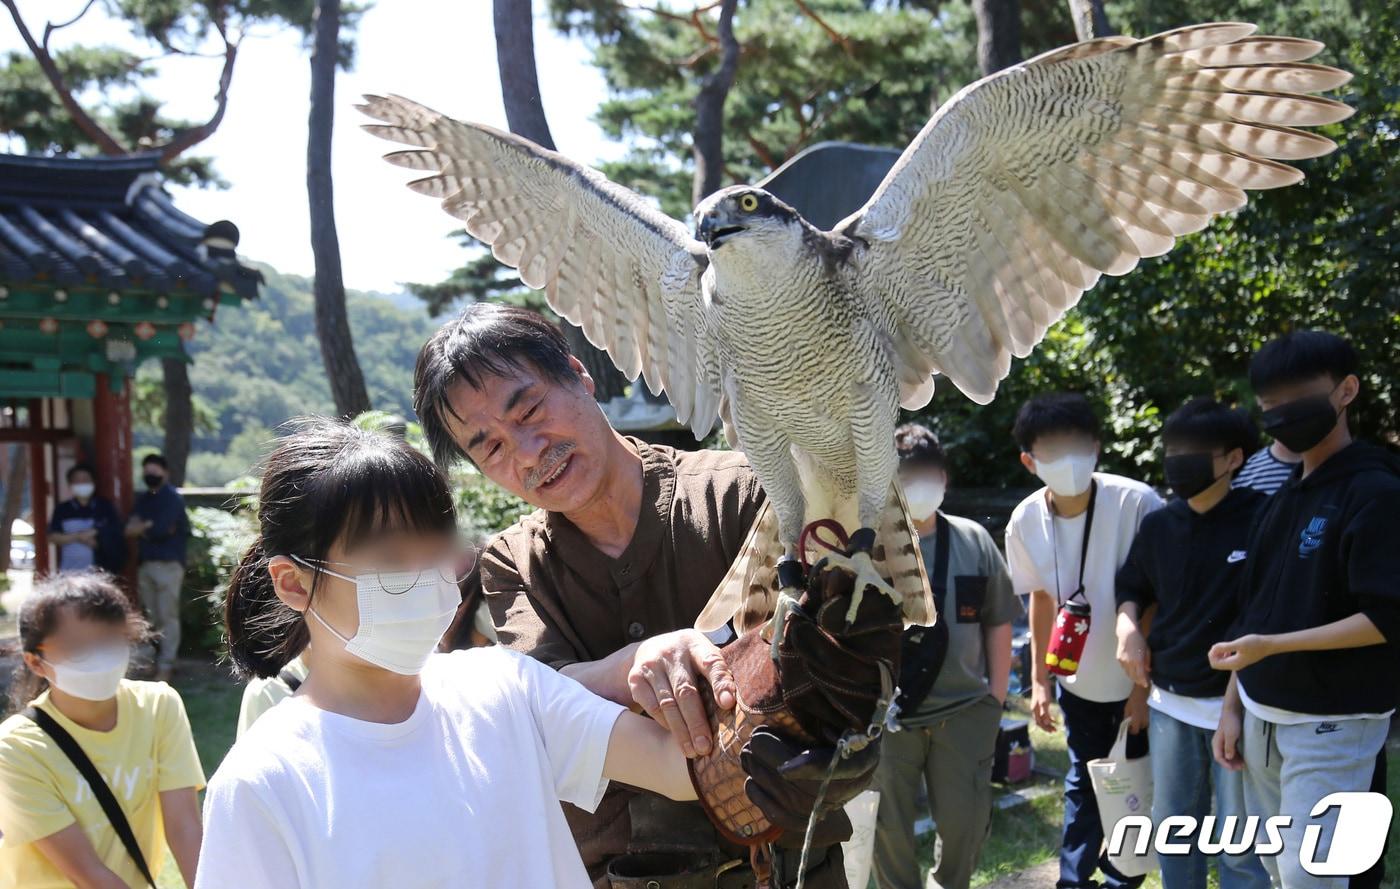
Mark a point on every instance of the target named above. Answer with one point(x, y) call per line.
point(791, 579)
point(862, 566)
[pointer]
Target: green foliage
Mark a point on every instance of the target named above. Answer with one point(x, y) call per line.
point(260, 364)
point(218, 540)
point(30, 110)
point(111, 83)
point(482, 507)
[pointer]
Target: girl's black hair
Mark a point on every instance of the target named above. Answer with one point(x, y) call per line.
point(327, 481)
point(92, 595)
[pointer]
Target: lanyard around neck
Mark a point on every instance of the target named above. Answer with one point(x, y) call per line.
point(1083, 548)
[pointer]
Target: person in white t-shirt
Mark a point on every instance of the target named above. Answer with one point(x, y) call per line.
point(1052, 562)
point(393, 765)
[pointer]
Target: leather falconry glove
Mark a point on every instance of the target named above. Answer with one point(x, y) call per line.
point(827, 683)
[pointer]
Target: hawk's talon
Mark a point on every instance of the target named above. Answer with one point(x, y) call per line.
point(863, 567)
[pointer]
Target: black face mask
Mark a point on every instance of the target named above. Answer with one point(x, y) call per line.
point(153, 481)
point(1302, 424)
point(1190, 474)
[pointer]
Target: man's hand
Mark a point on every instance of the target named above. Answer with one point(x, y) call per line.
point(665, 682)
point(1133, 654)
point(1241, 652)
point(1225, 743)
point(136, 526)
point(1136, 710)
point(784, 781)
point(1042, 700)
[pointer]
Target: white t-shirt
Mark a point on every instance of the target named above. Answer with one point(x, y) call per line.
point(1199, 712)
point(1034, 535)
point(465, 792)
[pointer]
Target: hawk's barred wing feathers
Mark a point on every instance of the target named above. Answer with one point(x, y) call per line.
point(609, 262)
point(1030, 184)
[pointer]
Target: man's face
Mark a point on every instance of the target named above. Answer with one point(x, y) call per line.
point(539, 439)
point(1054, 445)
point(1340, 394)
point(153, 474)
point(80, 479)
point(1222, 461)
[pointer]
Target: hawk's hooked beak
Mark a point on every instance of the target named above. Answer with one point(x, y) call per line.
point(714, 228)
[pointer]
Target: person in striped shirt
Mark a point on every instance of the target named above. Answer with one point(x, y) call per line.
point(1267, 469)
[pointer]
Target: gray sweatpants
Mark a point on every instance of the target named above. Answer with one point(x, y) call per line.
point(1289, 768)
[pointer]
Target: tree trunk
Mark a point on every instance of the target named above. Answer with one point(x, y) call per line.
point(998, 34)
point(1090, 20)
point(520, 91)
point(179, 417)
point(708, 139)
point(332, 324)
point(15, 477)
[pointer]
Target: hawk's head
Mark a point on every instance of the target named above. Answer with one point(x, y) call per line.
point(743, 212)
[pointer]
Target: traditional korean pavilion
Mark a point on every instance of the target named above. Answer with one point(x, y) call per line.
point(99, 272)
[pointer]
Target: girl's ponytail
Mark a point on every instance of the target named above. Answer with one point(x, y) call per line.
point(264, 634)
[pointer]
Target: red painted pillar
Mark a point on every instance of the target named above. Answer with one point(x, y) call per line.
point(111, 454)
point(111, 442)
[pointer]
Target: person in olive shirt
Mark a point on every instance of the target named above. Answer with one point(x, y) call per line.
point(605, 579)
point(948, 739)
point(1182, 579)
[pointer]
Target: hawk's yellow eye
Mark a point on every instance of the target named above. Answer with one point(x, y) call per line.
point(748, 203)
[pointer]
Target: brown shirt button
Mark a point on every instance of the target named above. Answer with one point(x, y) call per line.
point(636, 630)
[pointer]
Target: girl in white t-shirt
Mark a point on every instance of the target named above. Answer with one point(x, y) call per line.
point(392, 765)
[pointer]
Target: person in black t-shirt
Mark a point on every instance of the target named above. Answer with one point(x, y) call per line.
point(1181, 579)
point(1315, 664)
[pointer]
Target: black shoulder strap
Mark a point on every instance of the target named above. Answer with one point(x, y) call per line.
point(290, 678)
point(939, 579)
point(100, 790)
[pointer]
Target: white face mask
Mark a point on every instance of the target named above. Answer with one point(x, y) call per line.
point(925, 495)
point(1070, 475)
point(84, 492)
point(403, 615)
point(96, 677)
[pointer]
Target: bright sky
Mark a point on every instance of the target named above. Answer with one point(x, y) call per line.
point(439, 53)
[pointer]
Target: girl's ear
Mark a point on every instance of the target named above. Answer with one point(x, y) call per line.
point(37, 666)
point(291, 582)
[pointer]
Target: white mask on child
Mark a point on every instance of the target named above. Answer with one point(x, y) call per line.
point(403, 615)
point(96, 677)
point(84, 491)
point(924, 496)
point(1070, 475)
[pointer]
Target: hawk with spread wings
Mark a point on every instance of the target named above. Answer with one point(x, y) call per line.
point(1019, 193)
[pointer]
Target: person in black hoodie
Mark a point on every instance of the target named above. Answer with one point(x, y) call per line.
point(1181, 579)
point(1315, 662)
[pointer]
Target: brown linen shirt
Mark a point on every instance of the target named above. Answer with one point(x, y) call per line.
point(556, 597)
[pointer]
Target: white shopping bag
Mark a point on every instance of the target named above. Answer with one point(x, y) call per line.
point(1123, 788)
point(860, 848)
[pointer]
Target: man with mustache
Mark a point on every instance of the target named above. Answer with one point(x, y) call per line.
point(606, 578)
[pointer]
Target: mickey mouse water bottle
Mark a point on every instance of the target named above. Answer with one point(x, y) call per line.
point(1068, 638)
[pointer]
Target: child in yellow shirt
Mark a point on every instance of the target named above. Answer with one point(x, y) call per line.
point(76, 633)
